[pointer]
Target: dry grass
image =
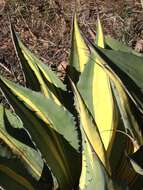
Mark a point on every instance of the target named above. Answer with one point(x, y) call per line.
point(45, 27)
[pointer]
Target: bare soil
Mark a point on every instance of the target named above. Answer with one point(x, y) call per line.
point(45, 27)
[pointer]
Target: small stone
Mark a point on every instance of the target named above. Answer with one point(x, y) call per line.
point(139, 46)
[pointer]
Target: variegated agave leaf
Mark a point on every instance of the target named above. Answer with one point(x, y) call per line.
point(38, 75)
point(52, 128)
point(18, 158)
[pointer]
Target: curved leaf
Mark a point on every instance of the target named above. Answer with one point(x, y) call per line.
point(136, 160)
point(59, 152)
point(56, 116)
point(20, 166)
point(14, 175)
point(30, 157)
point(16, 129)
point(10, 179)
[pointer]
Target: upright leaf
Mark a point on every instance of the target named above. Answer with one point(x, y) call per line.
point(121, 92)
point(38, 75)
point(129, 121)
point(31, 80)
point(95, 88)
point(79, 49)
point(127, 111)
point(90, 128)
point(93, 175)
point(99, 35)
point(128, 68)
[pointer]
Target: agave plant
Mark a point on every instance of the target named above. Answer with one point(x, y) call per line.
point(83, 133)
